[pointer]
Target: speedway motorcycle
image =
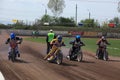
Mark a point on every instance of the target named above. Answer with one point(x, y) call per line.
point(13, 53)
point(56, 57)
point(77, 54)
point(102, 53)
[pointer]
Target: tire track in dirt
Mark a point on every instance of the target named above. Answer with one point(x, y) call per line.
point(88, 69)
point(66, 73)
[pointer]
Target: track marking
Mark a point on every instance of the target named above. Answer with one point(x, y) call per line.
point(1, 76)
point(113, 48)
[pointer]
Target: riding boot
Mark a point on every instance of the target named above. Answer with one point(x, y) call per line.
point(8, 55)
point(18, 54)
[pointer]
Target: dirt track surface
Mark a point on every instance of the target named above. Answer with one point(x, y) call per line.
point(31, 65)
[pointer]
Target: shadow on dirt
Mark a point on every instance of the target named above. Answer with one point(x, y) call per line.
point(83, 61)
point(114, 60)
point(21, 61)
point(63, 64)
point(66, 64)
point(87, 61)
point(30, 50)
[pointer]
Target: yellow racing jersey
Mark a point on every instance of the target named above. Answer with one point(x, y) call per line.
point(55, 42)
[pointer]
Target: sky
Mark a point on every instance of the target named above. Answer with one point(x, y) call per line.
point(30, 10)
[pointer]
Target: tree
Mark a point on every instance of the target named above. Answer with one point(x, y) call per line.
point(88, 23)
point(105, 24)
point(19, 23)
point(46, 18)
point(56, 6)
point(118, 7)
point(66, 22)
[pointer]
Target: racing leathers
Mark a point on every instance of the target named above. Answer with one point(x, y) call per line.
point(55, 47)
point(14, 43)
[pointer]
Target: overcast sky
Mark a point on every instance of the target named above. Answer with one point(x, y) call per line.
point(29, 10)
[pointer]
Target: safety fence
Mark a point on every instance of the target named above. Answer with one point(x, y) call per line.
point(65, 33)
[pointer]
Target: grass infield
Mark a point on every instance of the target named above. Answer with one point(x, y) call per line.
point(90, 44)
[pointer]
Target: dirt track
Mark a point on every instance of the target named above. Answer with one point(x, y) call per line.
point(31, 65)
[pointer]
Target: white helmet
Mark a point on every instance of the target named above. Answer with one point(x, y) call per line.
point(103, 38)
point(51, 30)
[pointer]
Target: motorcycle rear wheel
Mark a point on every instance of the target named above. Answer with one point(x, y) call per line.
point(79, 56)
point(59, 58)
point(105, 56)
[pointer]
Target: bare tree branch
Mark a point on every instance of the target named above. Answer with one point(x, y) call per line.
point(56, 6)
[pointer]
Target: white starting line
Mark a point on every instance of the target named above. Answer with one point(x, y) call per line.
point(113, 48)
point(1, 76)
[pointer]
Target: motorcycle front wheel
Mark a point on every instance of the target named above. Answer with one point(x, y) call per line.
point(12, 55)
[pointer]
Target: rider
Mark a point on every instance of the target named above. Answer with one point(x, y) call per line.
point(102, 43)
point(14, 40)
point(49, 38)
point(77, 43)
point(56, 44)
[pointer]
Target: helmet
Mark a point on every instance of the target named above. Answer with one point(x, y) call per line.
point(51, 30)
point(78, 37)
point(59, 37)
point(12, 35)
point(103, 38)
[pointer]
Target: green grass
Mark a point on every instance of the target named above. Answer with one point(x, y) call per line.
point(90, 44)
point(114, 48)
point(40, 40)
